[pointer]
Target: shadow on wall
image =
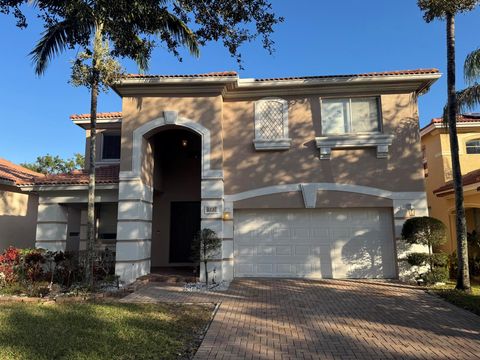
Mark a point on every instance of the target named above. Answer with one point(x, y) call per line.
point(402, 171)
point(18, 219)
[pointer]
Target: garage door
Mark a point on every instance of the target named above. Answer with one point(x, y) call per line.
point(316, 243)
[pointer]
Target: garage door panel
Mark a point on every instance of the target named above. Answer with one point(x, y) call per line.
point(341, 243)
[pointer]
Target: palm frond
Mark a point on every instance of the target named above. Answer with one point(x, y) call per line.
point(142, 60)
point(181, 32)
point(55, 39)
point(468, 98)
point(471, 67)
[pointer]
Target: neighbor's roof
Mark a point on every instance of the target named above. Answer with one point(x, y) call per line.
point(463, 119)
point(16, 174)
point(471, 178)
point(234, 74)
point(103, 175)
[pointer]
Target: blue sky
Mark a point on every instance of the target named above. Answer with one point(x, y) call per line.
point(318, 37)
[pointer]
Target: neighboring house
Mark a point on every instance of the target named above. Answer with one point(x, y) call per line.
point(438, 173)
point(18, 210)
point(300, 177)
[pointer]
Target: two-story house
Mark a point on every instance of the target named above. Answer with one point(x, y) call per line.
point(300, 177)
point(438, 173)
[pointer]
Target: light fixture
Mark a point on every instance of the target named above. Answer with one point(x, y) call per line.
point(184, 143)
point(410, 210)
point(227, 214)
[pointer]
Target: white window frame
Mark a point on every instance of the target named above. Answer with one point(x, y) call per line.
point(466, 145)
point(109, 132)
point(282, 143)
point(375, 139)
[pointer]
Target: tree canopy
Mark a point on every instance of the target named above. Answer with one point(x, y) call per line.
point(424, 230)
point(438, 9)
point(49, 164)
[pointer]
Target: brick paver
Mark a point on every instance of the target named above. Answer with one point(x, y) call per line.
point(329, 319)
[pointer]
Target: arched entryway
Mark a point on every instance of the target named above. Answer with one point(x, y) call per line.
point(176, 214)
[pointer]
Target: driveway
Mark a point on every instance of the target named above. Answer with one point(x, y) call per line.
point(331, 319)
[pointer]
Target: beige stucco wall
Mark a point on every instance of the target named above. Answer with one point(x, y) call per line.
point(18, 218)
point(247, 169)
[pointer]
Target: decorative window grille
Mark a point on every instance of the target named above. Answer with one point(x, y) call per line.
point(271, 124)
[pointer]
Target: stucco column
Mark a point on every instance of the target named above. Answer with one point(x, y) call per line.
point(51, 226)
point(134, 229)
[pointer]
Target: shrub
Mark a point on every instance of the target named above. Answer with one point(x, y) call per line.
point(440, 260)
point(417, 259)
point(438, 274)
point(9, 260)
point(424, 230)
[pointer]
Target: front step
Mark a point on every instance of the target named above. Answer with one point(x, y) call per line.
point(167, 278)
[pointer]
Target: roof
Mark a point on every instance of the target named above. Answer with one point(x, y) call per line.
point(204, 75)
point(102, 115)
point(463, 119)
point(104, 175)
point(471, 178)
point(234, 73)
point(15, 173)
point(370, 74)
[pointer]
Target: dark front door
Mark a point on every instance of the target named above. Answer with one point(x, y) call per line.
point(184, 225)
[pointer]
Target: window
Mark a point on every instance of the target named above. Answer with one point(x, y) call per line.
point(111, 146)
point(473, 146)
point(271, 124)
point(350, 116)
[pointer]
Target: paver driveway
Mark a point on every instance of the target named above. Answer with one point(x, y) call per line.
point(333, 319)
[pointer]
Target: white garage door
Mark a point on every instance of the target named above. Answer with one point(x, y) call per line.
point(316, 243)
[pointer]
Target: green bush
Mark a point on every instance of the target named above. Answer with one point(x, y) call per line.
point(417, 259)
point(438, 274)
point(440, 260)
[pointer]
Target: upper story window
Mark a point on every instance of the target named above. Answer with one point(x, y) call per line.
point(271, 124)
point(473, 146)
point(350, 116)
point(111, 146)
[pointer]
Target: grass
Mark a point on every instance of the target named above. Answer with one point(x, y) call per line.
point(466, 301)
point(100, 331)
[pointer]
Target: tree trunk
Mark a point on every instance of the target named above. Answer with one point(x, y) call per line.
point(91, 231)
point(463, 279)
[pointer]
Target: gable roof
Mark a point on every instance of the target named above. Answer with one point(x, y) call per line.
point(16, 174)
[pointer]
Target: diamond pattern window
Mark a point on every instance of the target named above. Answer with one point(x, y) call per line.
point(271, 124)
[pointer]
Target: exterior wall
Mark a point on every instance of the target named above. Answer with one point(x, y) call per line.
point(18, 216)
point(437, 146)
point(247, 169)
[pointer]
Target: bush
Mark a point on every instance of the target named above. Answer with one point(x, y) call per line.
point(424, 230)
point(9, 260)
point(440, 260)
point(417, 259)
point(438, 274)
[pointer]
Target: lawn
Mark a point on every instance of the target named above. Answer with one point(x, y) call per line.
point(100, 331)
point(469, 302)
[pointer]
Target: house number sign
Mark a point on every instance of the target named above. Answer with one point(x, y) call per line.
point(211, 210)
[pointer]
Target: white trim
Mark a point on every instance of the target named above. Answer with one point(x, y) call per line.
point(277, 144)
point(170, 118)
point(432, 126)
point(380, 141)
point(360, 189)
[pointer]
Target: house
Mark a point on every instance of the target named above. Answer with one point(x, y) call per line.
point(18, 209)
point(299, 176)
point(438, 173)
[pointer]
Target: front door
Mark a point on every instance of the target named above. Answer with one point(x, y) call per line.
point(184, 225)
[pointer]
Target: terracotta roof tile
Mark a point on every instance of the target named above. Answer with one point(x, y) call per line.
point(102, 115)
point(16, 173)
point(464, 118)
point(205, 75)
point(371, 74)
point(104, 175)
point(472, 177)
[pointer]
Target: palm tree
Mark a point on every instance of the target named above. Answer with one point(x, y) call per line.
point(91, 28)
point(441, 9)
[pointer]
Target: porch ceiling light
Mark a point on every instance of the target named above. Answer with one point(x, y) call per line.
point(227, 214)
point(184, 142)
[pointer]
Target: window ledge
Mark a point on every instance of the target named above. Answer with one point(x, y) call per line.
point(277, 144)
point(379, 141)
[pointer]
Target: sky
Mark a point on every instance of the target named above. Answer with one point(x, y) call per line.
point(318, 37)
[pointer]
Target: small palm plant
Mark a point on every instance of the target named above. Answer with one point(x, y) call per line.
point(204, 247)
